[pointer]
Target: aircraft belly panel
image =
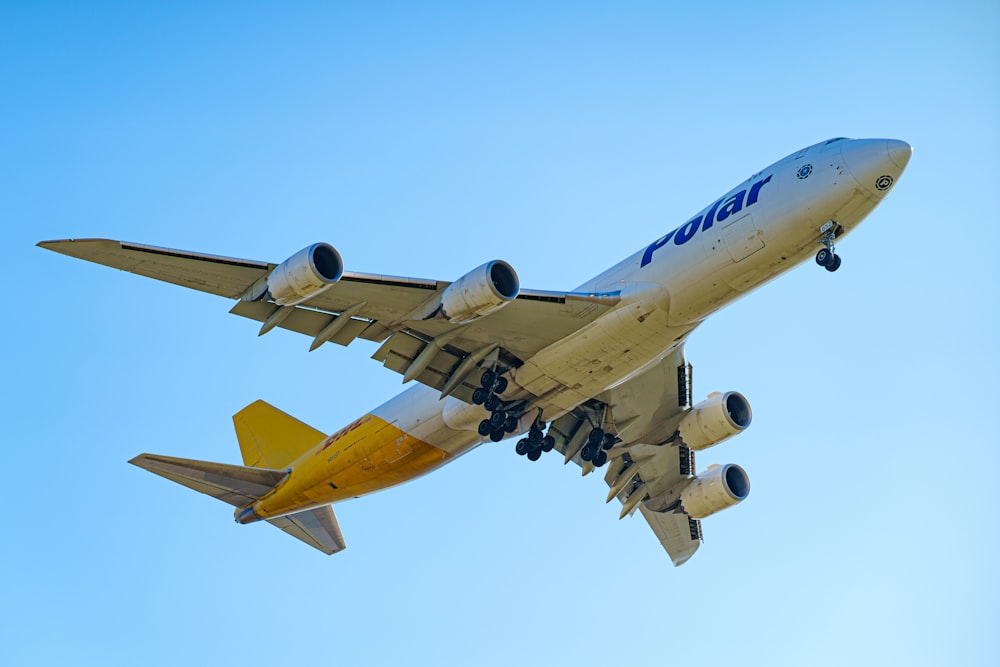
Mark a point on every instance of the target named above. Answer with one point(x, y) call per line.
point(599, 355)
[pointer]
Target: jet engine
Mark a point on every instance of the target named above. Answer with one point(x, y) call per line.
point(718, 418)
point(482, 291)
point(305, 274)
point(714, 490)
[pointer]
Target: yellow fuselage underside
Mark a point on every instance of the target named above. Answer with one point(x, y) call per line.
point(368, 455)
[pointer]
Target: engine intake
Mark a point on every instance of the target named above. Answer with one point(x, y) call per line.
point(484, 290)
point(714, 490)
point(714, 420)
point(305, 274)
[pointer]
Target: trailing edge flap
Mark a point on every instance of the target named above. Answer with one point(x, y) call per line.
point(269, 438)
point(679, 534)
point(235, 485)
point(317, 527)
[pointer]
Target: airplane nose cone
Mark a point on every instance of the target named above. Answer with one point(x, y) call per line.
point(876, 163)
point(899, 152)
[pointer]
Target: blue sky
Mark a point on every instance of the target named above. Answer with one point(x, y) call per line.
point(423, 141)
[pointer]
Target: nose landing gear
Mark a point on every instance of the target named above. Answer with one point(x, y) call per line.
point(827, 257)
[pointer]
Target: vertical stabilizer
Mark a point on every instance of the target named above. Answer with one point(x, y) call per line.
point(269, 438)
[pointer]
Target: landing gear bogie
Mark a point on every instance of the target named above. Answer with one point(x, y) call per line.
point(498, 419)
point(487, 379)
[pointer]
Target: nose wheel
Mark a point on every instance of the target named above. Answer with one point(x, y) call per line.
point(828, 259)
point(827, 256)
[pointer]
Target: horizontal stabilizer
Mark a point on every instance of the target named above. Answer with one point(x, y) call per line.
point(317, 527)
point(235, 485)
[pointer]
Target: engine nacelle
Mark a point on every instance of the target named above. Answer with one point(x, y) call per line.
point(718, 418)
point(305, 274)
point(714, 490)
point(482, 291)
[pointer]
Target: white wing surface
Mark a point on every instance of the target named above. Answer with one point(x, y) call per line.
point(643, 410)
point(376, 308)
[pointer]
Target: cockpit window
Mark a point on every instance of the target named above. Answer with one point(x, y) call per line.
point(830, 141)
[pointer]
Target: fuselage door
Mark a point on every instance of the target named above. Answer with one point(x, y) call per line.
point(742, 238)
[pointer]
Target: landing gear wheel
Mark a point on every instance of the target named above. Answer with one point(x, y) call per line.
point(534, 436)
point(588, 451)
point(491, 403)
point(485, 427)
point(479, 396)
point(833, 266)
point(497, 419)
point(510, 425)
point(487, 379)
point(498, 434)
point(522, 446)
point(534, 454)
point(609, 442)
point(548, 442)
point(500, 386)
point(825, 257)
point(596, 437)
point(600, 459)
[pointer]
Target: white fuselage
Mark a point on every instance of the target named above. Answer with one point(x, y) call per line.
point(758, 230)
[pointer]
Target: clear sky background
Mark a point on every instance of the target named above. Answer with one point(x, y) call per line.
point(423, 139)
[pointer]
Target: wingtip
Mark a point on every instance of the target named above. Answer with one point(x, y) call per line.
point(63, 245)
point(139, 459)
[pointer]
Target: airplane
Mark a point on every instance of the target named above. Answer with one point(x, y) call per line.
point(598, 374)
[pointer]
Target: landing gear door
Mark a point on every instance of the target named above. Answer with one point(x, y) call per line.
point(742, 238)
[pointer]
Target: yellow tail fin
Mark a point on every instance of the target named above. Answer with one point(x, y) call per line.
point(269, 438)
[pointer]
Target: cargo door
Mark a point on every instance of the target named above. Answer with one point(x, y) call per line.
point(742, 238)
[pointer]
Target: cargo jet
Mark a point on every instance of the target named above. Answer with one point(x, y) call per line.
point(597, 374)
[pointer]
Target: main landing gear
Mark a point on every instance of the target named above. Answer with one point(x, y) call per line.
point(598, 441)
point(500, 422)
point(596, 449)
point(827, 257)
point(535, 443)
point(504, 420)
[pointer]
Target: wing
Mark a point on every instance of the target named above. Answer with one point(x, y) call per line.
point(643, 410)
point(367, 306)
